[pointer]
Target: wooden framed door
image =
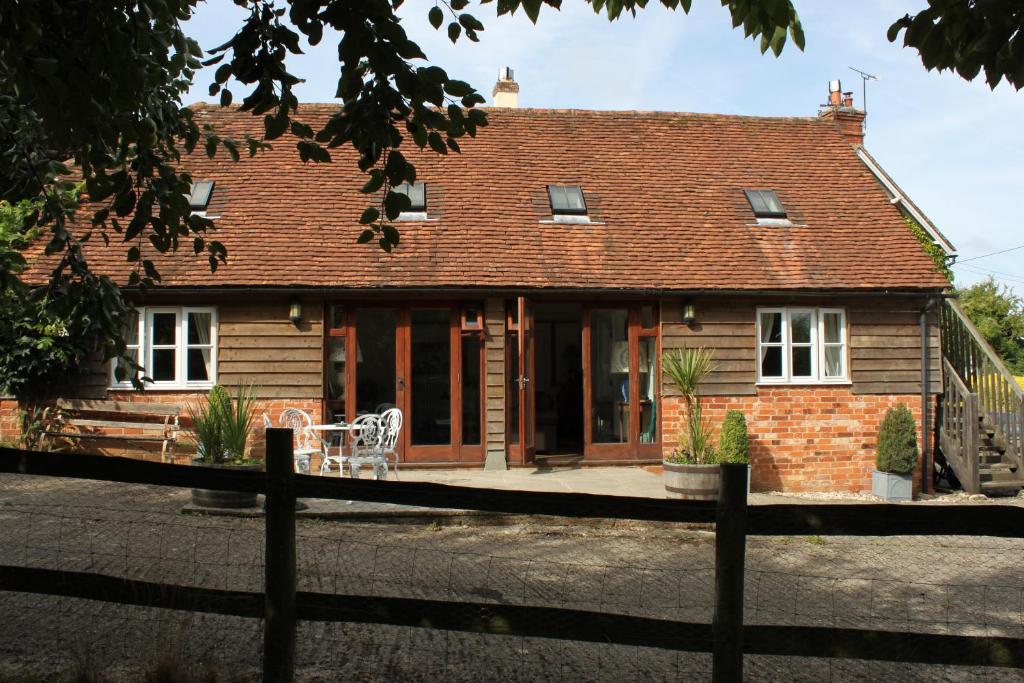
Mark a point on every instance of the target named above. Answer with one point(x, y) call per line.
point(620, 382)
point(415, 358)
point(520, 402)
point(527, 389)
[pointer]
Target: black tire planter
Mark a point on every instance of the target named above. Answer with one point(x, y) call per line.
point(232, 500)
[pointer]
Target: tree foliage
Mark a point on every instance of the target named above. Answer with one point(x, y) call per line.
point(968, 36)
point(47, 335)
point(998, 314)
point(897, 442)
point(93, 91)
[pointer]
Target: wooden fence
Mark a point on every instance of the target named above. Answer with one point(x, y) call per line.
point(726, 638)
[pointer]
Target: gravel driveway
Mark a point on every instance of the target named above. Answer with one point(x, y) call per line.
point(919, 584)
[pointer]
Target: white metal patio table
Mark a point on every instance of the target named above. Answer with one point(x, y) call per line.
point(346, 431)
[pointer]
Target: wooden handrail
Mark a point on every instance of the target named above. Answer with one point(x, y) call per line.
point(986, 348)
point(952, 374)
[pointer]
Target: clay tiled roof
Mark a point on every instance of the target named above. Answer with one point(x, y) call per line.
point(664, 189)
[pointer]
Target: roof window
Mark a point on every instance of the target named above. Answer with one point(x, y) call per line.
point(765, 203)
point(567, 200)
point(199, 195)
point(417, 194)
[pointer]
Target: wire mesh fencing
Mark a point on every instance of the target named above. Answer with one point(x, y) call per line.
point(517, 598)
point(137, 532)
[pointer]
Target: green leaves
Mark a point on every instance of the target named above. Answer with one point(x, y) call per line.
point(436, 17)
point(968, 37)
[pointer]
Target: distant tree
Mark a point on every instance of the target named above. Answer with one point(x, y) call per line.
point(998, 314)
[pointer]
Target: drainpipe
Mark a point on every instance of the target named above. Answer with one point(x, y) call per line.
point(925, 377)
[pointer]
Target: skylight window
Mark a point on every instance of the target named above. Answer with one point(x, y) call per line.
point(765, 203)
point(417, 194)
point(199, 195)
point(567, 200)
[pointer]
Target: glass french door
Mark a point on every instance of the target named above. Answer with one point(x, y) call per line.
point(620, 355)
point(520, 363)
point(420, 359)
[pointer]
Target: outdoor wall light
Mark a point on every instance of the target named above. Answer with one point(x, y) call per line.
point(295, 312)
point(689, 313)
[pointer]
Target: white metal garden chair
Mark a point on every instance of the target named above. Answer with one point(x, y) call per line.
point(365, 448)
point(305, 441)
point(390, 427)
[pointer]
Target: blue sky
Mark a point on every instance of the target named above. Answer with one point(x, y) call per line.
point(956, 148)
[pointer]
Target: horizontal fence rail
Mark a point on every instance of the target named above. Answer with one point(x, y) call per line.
point(765, 520)
point(531, 622)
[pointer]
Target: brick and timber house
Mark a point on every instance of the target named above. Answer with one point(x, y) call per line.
point(542, 273)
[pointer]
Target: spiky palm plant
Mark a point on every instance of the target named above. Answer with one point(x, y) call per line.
point(687, 368)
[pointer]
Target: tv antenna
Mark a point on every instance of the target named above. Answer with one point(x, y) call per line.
point(864, 77)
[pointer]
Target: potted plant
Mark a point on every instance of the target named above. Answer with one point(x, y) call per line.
point(734, 442)
point(691, 470)
point(896, 456)
point(220, 430)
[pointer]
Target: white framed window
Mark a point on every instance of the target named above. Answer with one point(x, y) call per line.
point(176, 347)
point(802, 346)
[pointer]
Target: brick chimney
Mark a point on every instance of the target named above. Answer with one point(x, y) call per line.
point(841, 110)
point(506, 90)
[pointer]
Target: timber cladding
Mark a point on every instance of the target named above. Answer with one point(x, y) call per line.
point(494, 348)
point(883, 335)
point(258, 344)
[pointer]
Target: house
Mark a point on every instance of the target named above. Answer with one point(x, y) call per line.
point(541, 274)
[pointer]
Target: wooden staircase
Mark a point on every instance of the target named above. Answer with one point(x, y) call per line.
point(981, 413)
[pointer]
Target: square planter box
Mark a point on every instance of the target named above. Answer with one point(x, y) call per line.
point(892, 486)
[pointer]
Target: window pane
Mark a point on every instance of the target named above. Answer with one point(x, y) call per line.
point(471, 389)
point(648, 383)
point(834, 361)
point(164, 361)
point(375, 360)
point(833, 328)
point(800, 328)
point(336, 368)
point(431, 376)
point(134, 355)
point(337, 317)
point(609, 363)
point(200, 193)
point(513, 387)
point(771, 328)
point(199, 325)
point(802, 361)
point(165, 326)
point(647, 316)
point(771, 362)
point(199, 365)
point(131, 333)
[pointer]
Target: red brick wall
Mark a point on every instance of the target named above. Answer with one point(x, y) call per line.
point(10, 428)
point(804, 438)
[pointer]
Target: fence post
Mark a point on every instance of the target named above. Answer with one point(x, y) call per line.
point(730, 551)
point(279, 562)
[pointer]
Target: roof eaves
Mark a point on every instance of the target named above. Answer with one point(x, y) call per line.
point(901, 198)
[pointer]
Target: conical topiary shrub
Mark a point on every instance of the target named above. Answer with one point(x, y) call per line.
point(733, 441)
point(897, 442)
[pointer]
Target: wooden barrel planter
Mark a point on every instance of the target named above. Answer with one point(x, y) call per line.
point(691, 482)
point(210, 498)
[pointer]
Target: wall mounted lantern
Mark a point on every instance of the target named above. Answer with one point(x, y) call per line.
point(295, 312)
point(689, 312)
